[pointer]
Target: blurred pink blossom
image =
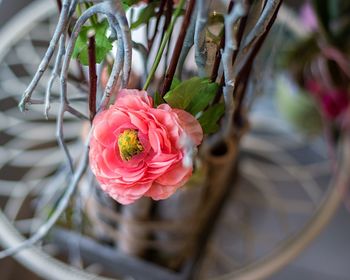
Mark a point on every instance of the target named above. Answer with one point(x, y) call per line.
point(333, 102)
point(308, 17)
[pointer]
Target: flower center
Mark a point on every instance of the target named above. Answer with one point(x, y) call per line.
point(129, 144)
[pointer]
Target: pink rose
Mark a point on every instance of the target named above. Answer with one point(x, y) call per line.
point(137, 150)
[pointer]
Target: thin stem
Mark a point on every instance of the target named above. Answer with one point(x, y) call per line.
point(214, 73)
point(176, 54)
point(119, 13)
point(239, 10)
point(218, 94)
point(261, 26)
point(216, 65)
point(92, 77)
point(117, 64)
point(163, 44)
point(158, 16)
point(188, 43)
point(168, 14)
point(55, 73)
point(58, 61)
point(166, 58)
point(76, 113)
point(167, 20)
point(241, 28)
point(199, 37)
point(61, 25)
point(93, 19)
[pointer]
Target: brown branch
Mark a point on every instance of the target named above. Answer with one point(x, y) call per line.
point(92, 77)
point(168, 14)
point(166, 57)
point(178, 47)
point(214, 73)
point(159, 15)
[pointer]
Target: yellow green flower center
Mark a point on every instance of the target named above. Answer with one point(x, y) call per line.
point(129, 144)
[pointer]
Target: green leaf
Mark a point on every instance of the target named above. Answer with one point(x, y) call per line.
point(81, 43)
point(210, 118)
point(145, 15)
point(180, 97)
point(175, 83)
point(103, 44)
point(205, 94)
point(193, 95)
point(157, 99)
point(128, 3)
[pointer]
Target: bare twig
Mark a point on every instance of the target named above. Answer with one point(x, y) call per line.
point(58, 62)
point(117, 64)
point(176, 54)
point(92, 77)
point(216, 65)
point(261, 26)
point(166, 57)
point(164, 42)
point(168, 15)
point(158, 16)
point(60, 28)
point(239, 10)
point(76, 113)
point(119, 13)
point(188, 43)
point(199, 37)
point(61, 51)
point(144, 54)
point(242, 25)
point(64, 105)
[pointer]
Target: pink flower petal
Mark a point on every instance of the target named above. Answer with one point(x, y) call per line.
point(133, 99)
point(138, 93)
point(139, 123)
point(103, 135)
point(117, 117)
point(191, 126)
point(154, 139)
point(175, 175)
point(158, 191)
